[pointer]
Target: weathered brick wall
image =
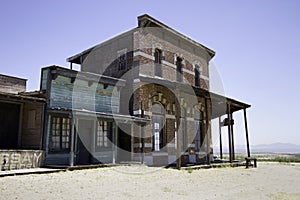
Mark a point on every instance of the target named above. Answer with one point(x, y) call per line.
point(147, 42)
point(11, 84)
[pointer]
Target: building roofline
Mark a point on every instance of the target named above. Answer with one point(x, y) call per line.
point(145, 21)
point(89, 76)
point(73, 58)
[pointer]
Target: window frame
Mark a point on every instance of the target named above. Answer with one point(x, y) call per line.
point(61, 140)
point(161, 134)
point(122, 60)
point(157, 62)
point(179, 74)
point(103, 138)
point(197, 76)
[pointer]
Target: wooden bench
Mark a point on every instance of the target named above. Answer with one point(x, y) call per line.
point(248, 162)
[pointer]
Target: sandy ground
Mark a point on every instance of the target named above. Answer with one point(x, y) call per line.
point(268, 181)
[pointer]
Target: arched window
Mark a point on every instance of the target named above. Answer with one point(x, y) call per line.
point(157, 62)
point(197, 76)
point(157, 126)
point(179, 69)
point(198, 117)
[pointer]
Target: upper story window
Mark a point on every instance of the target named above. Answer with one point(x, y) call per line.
point(157, 62)
point(179, 69)
point(197, 76)
point(122, 58)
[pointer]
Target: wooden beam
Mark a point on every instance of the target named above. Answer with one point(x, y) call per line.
point(220, 133)
point(177, 108)
point(229, 133)
point(142, 134)
point(246, 129)
point(72, 141)
point(232, 138)
point(207, 132)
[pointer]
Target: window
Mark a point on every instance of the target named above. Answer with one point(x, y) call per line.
point(157, 62)
point(158, 126)
point(198, 116)
point(179, 69)
point(60, 134)
point(122, 59)
point(197, 76)
point(104, 135)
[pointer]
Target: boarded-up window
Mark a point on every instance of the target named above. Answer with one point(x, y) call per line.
point(31, 119)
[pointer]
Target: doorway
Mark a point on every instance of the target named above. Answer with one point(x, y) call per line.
point(9, 126)
point(84, 141)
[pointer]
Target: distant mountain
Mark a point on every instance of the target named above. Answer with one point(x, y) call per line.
point(276, 148)
point(266, 148)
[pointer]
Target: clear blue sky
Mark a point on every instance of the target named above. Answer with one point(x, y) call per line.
point(257, 46)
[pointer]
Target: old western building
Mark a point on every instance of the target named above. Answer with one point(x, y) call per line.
point(167, 81)
point(82, 117)
point(142, 96)
point(21, 125)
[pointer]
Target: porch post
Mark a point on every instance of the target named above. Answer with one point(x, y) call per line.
point(72, 141)
point(207, 132)
point(114, 143)
point(177, 108)
point(246, 129)
point(142, 135)
point(220, 132)
point(229, 133)
point(232, 137)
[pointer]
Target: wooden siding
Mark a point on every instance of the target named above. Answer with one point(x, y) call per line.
point(32, 126)
point(11, 84)
point(44, 79)
point(82, 94)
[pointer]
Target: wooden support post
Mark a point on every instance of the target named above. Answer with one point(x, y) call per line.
point(229, 133)
point(72, 141)
point(114, 143)
point(207, 131)
point(246, 129)
point(220, 132)
point(232, 138)
point(142, 136)
point(177, 108)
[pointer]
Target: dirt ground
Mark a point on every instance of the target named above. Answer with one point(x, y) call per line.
point(268, 181)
